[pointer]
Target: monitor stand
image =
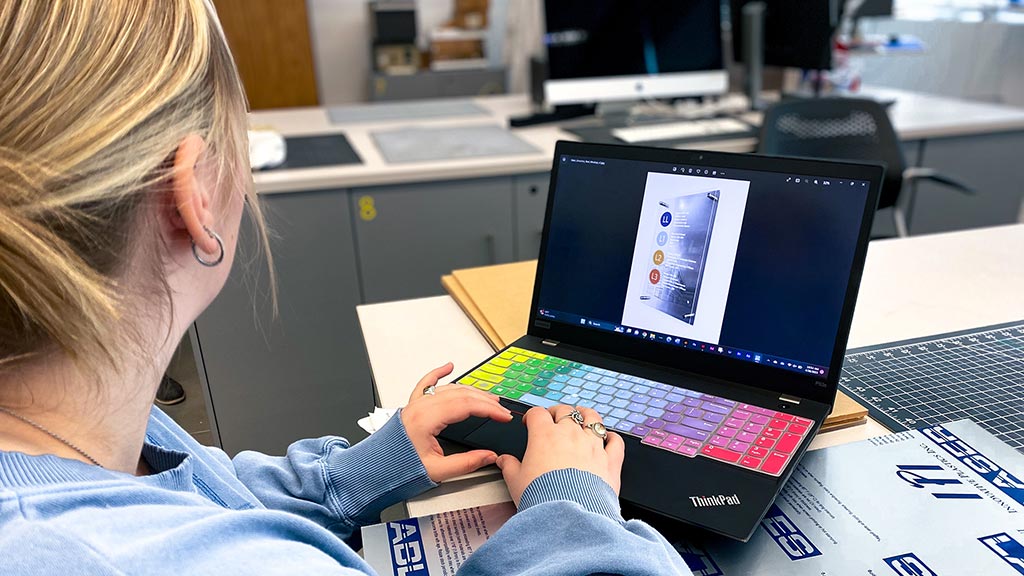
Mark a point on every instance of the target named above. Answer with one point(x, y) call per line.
point(559, 114)
point(753, 52)
point(599, 129)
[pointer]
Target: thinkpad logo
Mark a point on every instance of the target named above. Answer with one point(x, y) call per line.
point(719, 500)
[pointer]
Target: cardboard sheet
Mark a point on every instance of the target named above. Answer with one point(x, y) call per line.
point(502, 294)
point(461, 297)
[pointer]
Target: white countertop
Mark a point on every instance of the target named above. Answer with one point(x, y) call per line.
point(905, 293)
point(914, 115)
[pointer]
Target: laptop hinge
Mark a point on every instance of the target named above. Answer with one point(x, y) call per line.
point(549, 342)
point(789, 399)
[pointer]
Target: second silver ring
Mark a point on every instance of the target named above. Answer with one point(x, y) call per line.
point(598, 429)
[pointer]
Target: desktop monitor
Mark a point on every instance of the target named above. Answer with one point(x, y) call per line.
point(797, 34)
point(609, 50)
point(870, 8)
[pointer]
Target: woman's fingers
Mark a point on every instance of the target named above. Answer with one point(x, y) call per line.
point(560, 414)
point(537, 418)
point(455, 389)
point(589, 415)
point(615, 448)
point(448, 467)
point(457, 410)
point(431, 378)
point(509, 464)
point(511, 471)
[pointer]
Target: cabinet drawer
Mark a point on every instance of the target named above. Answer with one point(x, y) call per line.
point(407, 236)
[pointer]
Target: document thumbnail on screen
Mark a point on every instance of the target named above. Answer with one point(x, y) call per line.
point(684, 254)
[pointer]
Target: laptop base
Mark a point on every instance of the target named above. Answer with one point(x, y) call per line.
point(699, 491)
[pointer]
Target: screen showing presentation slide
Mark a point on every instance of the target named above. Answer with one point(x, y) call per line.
point(737, 262)
point(684, 253)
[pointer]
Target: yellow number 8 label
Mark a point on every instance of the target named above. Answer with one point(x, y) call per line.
point(367, 211)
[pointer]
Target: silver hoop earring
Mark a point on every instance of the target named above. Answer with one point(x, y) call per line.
point(220, 245)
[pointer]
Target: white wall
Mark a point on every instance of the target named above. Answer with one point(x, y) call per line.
point(339, 31)
point(973, 60)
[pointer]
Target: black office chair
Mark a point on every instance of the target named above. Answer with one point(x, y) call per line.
point(849, 129)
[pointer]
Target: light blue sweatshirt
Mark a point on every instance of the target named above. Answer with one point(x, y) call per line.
point(201, 512)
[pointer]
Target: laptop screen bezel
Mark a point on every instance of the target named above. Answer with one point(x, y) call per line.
point(761, 376)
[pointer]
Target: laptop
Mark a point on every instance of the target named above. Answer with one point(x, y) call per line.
point(701, 303)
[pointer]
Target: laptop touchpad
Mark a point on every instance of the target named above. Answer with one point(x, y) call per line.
point(507, 438)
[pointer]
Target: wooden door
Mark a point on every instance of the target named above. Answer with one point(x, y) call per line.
point(271, 44)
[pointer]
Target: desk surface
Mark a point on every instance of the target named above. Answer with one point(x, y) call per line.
point(914, 115)
point(904, 294)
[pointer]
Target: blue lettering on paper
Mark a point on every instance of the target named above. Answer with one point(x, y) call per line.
point(787, 535)
point(992, 473)
point(1011, 551)
point(698, 560)
point(908, 565)
point(407, 557)
point(935, 478)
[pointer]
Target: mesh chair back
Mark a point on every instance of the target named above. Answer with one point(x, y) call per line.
point(840, 129)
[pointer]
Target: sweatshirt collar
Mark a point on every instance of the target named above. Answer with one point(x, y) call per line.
point(171, 470)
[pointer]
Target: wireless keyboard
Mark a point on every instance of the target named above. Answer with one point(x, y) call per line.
point(668, 417)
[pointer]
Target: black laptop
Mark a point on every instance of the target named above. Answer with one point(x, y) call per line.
point(701, 303)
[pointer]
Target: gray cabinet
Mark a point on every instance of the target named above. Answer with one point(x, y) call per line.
point(531, 193)
point(304, 374)
point(437, 84)
point(407, 236)
point(989, 163)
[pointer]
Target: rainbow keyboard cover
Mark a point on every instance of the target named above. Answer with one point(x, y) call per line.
point(668, 417)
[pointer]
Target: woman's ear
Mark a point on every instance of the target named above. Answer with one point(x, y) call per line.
point(191, 199)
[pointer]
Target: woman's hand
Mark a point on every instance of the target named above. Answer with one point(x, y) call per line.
point(563, 444)
point(425, 416)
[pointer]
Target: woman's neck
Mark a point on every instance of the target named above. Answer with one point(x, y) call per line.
point(104, 415)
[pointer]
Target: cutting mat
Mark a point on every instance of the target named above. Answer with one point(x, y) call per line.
point(976, 374)
point(417, 144)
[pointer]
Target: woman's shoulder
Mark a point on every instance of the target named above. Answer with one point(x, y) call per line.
point(35, 548)
point(59, 528)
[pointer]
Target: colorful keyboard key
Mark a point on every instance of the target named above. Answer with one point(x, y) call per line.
point(774, 464)
point(788, 443)
point(750, 462)
point(687, 450)
point(722, 454)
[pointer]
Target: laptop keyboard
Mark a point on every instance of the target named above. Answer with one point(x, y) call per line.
point(668, 417)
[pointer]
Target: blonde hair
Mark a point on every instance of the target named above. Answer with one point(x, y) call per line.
point(95, 97)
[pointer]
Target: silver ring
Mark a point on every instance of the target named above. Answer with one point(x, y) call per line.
point(598, 429)
point(220, 245)
point(429, 390)
point(576, 416)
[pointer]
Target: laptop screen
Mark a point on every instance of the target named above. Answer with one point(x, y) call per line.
point(746, 264)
